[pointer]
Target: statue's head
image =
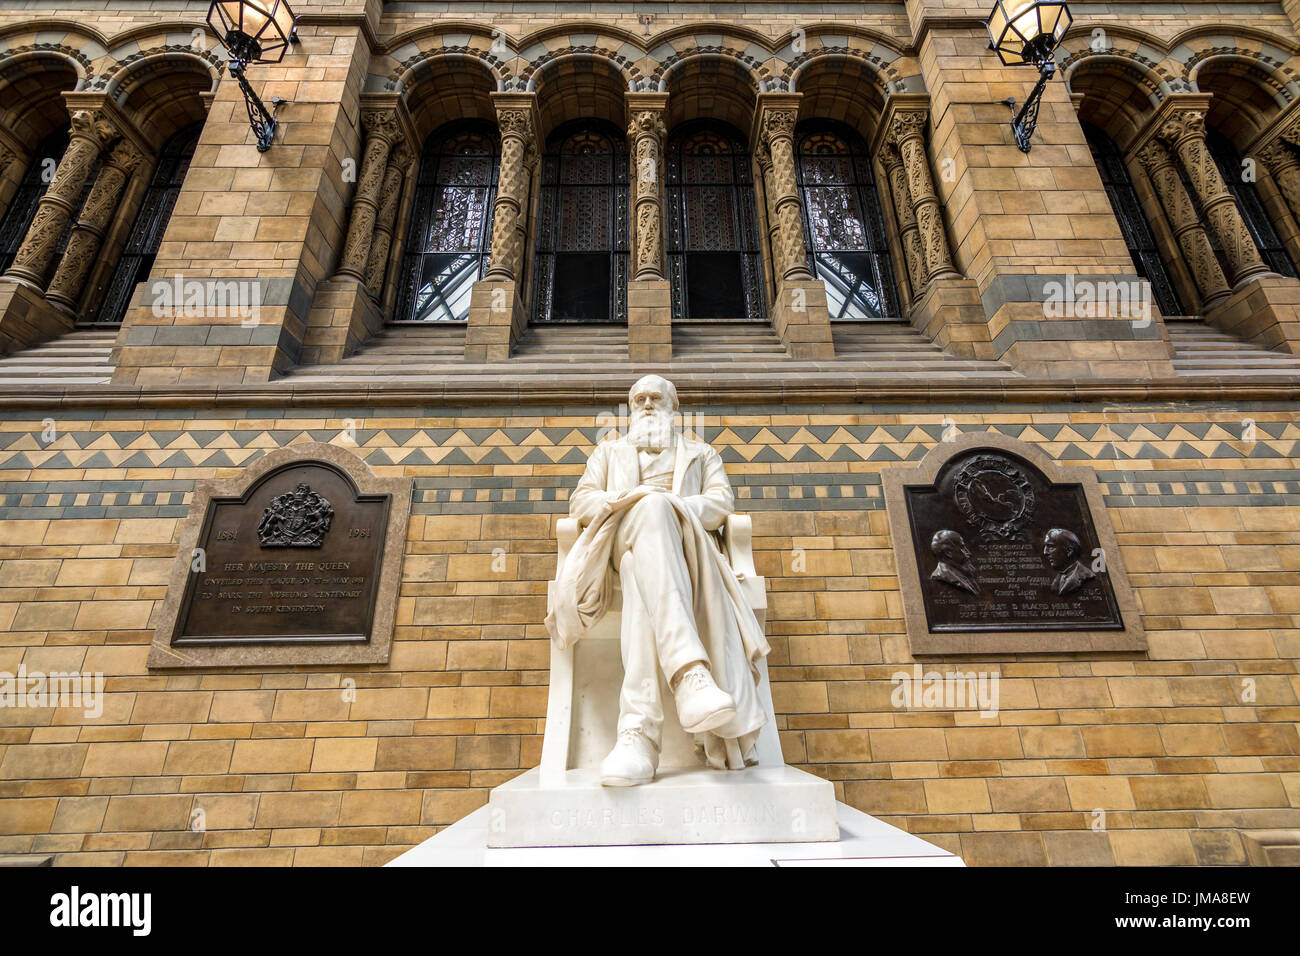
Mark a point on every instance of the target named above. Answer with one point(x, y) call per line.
point(653, 401)
point(1060, 548)
point(950, 546)
point(652, 392)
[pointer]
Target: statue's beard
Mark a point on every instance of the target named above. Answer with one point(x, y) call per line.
point(652, 432)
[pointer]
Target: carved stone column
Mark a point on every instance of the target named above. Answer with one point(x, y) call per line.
point(382, 130)
point(1188, 231)
point(908, 233)
point(647, 132)
point(96, 216)
point(518, 141)
point(390, 197)
point(1284, 166)
point(91, 132)
point(907, 134)
point(1184, 133)
point(777, 135)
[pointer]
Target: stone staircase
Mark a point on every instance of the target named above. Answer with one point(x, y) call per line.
point(80, 357)
point(896, 349)
point(721, 350)
point(1202, 350)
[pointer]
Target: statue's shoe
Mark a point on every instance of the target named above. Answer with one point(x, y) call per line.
point(632, 761)
point(701, 704)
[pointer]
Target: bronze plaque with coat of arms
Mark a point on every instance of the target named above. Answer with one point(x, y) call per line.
point(302, 552)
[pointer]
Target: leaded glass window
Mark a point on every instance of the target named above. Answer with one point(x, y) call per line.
point(150, 223)
point(22, 207)
point(843, 228)
point(582, 226)
point(1271, 249)
point(450, 235)
point(1141, 242)
point(714, 266)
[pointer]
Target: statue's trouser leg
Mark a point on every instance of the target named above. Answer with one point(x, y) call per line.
point(650, 534)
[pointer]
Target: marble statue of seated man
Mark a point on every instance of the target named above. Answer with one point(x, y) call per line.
point(648, 503)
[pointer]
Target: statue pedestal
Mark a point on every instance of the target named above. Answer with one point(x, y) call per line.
point(864, 841)
point(774, 804)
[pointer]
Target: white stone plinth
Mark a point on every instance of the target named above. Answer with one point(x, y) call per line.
point(864, 841)
point(757, 805)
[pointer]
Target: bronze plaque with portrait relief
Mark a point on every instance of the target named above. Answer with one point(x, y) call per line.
point(294, 559)
point(1000, 547)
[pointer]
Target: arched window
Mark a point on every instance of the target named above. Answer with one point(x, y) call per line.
point(1271, 249)
point(843, 228)
point(450, 235)
point(582, 226)
point(22, 207)
point(713, 257)
point(150, 223)
point(1142, 246)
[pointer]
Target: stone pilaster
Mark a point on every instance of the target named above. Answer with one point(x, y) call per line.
point(91, 132)
point(799, 312)
point(382, 132)
point(88, 234)
point(906, 133)
point(1188, 232)
point(1184, 133)
point(649, 323)
point(390, 198)
point(908, 234)
point(496, 310)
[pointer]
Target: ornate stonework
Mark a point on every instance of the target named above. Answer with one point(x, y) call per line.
point(1184, 133)
point(1188, 231)
point(907, 134)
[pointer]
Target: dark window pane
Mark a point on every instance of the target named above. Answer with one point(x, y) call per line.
point(713, 261)
point(580, 270)
point(580, 287)
point(715, 285)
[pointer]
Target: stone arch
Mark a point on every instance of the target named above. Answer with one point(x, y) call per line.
point(1120, 94)
point(672, 59)
point(579, 86)
point(1271, 61)
point(78, 45)
point(711, 86)
point(1121, 51)
point(541, 50)
point(447, 87)
point(895, 72)
point(161, 90)
point(847, 89)
point(399, 64)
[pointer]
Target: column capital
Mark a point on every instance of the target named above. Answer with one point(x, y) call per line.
point(775, 114)
point(399, 127)
point(1173, 107)
point(517, 115)
point(108, 120)
point(896, 106)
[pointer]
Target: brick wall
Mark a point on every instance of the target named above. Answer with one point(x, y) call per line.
point(291, 766)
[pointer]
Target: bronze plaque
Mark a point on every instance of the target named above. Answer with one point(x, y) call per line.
point(1000, 547)
point(296, 558)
